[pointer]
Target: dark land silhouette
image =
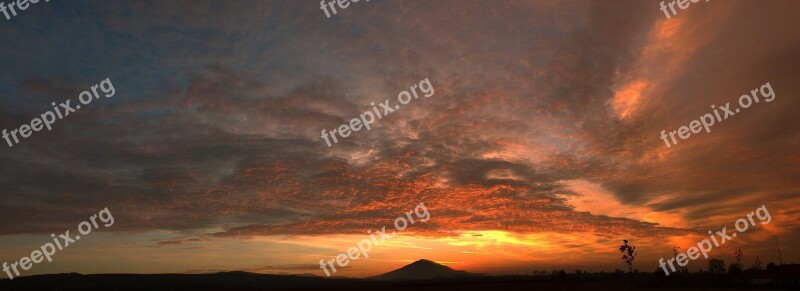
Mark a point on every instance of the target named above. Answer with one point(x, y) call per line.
point(423, 270)
point(423, 275)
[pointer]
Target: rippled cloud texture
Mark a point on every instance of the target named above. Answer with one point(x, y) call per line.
point(541, 147)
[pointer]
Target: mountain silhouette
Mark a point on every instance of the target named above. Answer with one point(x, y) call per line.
point(422, 270)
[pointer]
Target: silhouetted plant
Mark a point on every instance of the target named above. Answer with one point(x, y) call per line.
point(757, 265)
point(771, 266)
point(738, 254)
point(675, 252)
point(734, 270)
point(628, 254)
point(716, 267)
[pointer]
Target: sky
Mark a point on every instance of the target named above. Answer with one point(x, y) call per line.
point(539, 149)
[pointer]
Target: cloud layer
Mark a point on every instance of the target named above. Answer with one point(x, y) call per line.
point(214, 131)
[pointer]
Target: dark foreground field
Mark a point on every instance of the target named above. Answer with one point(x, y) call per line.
point(249, 281)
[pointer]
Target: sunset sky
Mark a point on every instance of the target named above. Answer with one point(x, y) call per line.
point(541, 148)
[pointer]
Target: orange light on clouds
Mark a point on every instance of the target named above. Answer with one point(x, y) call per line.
point(599, 201)
point(626, 99)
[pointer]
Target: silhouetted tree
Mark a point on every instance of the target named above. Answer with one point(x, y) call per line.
point(675, 252)
point(716, 267)
point(771, 266)
point(738, 254)
point(628, 254)
point(734, 270)
point(757, 265)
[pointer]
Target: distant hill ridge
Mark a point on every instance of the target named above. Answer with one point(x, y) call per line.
point(423, 270)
